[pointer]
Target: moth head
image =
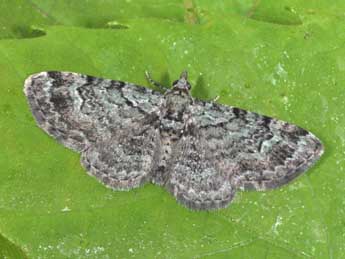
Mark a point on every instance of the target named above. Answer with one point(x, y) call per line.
point(182, 84)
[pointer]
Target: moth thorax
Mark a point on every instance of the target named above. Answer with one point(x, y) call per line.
point(177, 104)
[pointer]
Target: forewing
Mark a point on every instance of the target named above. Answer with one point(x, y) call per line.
point(255, 151)
point(76, 109)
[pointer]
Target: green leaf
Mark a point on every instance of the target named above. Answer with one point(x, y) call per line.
point(281, 59)
point(9, 250)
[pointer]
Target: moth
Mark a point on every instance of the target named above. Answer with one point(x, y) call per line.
point(201, 152)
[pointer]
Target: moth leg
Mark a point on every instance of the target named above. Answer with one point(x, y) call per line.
point(215, 99)
point(155, 83)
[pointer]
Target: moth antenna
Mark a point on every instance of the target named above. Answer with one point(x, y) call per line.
point(184, 75)
point(155, 83)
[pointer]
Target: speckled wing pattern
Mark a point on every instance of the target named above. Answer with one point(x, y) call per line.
point(102, 119)
point(201, 152)
point(231, 149)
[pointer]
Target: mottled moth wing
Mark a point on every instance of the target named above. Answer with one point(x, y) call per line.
point(85, 113)
point(227, 148)
point(202, 152)
point(124, 161)
point(195, 180)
